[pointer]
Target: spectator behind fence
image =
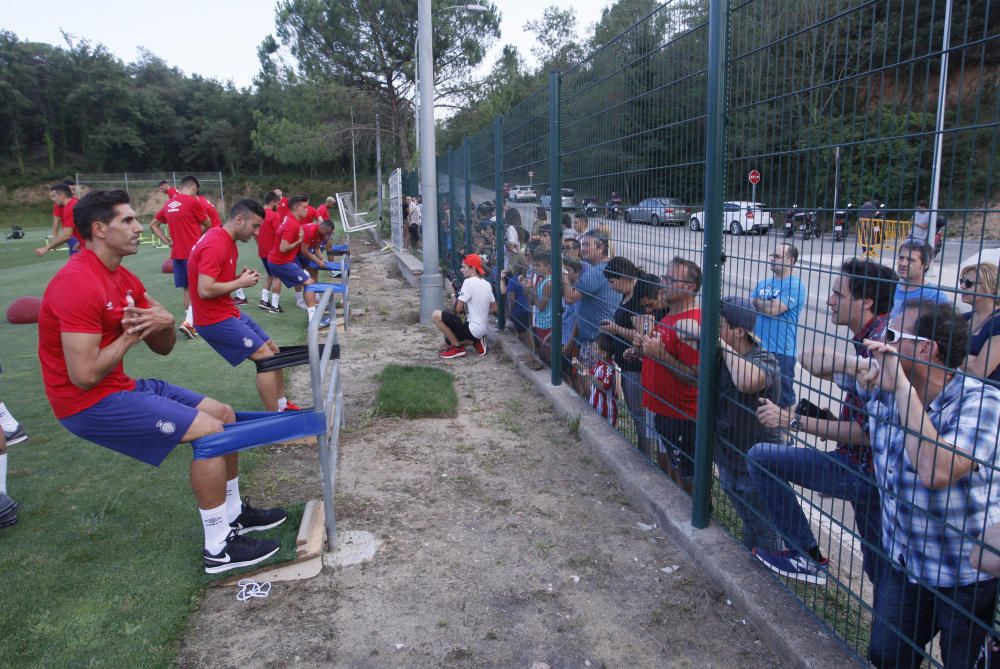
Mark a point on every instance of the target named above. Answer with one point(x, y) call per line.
point(539, 295)
point(669, 368)
point(604, 230)
point(921, 223)
point(571, 247)
point(934, 440)
point(544, 238)
point(779, 301)
point(596, 297)
point(518, 307)
point(629, 320)
point(572, 267)
point(912, 262)
point(978, 284)
point(604, 381)
point(580, 225)
point(860, 298)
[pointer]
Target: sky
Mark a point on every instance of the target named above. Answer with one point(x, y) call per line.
point(219, 40)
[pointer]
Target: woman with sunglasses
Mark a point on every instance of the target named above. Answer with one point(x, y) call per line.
point(978, 284)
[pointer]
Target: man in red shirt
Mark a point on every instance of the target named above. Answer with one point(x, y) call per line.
point(282, 204)
point(323, 211)
point(265, 242)
point(186, 219)
point(283, 256)
point(63, 202)
point(165, 188)
point(212, 275)
point(669, 372)
point(93, 312)
point(216, 222)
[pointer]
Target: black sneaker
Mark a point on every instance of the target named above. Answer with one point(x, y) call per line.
point(266, 306)
point(239, 551)
point(15, 437)
point(255, 520)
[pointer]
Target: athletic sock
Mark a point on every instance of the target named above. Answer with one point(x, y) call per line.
point(240, 294)
point(310, 311)
point(265, 295)
point(7, 421)
point(282, 403)
point(216, 528)
point(189, 316)
point(3, 473)
point(234, 503)
point(274, 299)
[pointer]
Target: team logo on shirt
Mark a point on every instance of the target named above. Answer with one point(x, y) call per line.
point(247, 342)
point(165, 426)
point(109, 306)
point(174, 206)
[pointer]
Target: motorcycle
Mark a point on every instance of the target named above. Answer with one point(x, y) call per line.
point(615, 208)
point(590, 207)
point(942, 223)
point(841, 224)
point(803, 221)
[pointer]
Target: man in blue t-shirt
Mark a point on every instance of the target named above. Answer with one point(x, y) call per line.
point(597, 299)
point(912, 262)
point(779, 301)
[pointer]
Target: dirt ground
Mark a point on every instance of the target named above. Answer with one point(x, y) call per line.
point(505, 543)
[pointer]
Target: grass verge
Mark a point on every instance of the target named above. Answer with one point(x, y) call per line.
point(416, 392)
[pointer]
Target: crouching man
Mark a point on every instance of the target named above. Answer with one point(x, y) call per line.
point(475, 300)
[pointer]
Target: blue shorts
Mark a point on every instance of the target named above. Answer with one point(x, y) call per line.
point(291, 274)
point(235, 339)
point(267, 266)
point(180, 273)
point(145, 423)
point(73, 245)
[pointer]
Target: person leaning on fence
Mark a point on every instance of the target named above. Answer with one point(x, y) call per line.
point(934, 441)
point(779, 301)
point(476, 300)
point(603, 376)
point(572, 267)
point(979, 286)
point(539, 293)
point(413, 222)
point(571, 247)
point(913, 259)
point(517, 304)
point(860, 298)
point(669, 372)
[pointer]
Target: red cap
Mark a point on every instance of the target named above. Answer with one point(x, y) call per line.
point(475, 262)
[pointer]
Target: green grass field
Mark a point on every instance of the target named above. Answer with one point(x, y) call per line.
point(104, 566)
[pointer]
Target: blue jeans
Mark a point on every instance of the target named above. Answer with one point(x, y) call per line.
point(786, 365)
point(907, 613)
point(775, 466)
point(748, 502)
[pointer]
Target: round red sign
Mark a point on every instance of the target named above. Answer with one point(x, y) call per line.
point(754, 177)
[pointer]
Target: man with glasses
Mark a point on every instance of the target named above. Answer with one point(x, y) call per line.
point(912, 262)
point(934, 442)
point(779, 301)
point(571, 248)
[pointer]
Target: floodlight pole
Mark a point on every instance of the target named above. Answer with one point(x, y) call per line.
point(378, 165)
point(431, 283)
point(939, 124)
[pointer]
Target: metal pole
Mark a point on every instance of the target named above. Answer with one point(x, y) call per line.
point(431, 297)
point(939, 123)
point(555, 234)
point(718, 48)
point(222, 195)
point(450, 247)
point(498, 188)
point(378, 165)
point(467, 157)
point(125, 175)
point(836, 181)
point(354, 164)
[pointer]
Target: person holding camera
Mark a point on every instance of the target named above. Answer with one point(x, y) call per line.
point(476, 300)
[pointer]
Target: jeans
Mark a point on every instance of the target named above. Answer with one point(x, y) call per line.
point(678, 437)
point(907, 613)
point(786, 365)
point(632, 389)
point(775, 466)
point(750, 505)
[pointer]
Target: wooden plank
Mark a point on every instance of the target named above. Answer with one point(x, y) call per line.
point(315, 534)
point(306, 522)
point(296, 570)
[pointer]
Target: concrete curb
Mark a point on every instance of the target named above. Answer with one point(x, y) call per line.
point(410, 267)
point(774, 612)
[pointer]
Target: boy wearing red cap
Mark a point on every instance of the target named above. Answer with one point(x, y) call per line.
point(476, 300)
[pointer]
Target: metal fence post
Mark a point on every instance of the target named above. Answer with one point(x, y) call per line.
point(498, 187)
point(555, 234)
point(467, 195)
point(718, 48)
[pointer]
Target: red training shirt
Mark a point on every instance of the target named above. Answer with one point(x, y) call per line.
point(310, 236)
point(289, 231)
point(183, 215)
point(664, 393)
point(266, 232)
point(282, 208)
point(213, 213)
point(214, 255)
point(323, 212)
point(84, 296)
point(67, 219)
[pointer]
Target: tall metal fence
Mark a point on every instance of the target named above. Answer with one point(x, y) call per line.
point(787, 217)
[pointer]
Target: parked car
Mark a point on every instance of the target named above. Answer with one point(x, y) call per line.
point(522, 194)
point(657, 210)
point(568, 199)
point(738, 217)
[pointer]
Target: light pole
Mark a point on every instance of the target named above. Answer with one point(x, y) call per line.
point(431, 283)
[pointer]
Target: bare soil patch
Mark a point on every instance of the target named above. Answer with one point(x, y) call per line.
point(505, 542)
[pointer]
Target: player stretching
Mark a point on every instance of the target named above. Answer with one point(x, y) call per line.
point(282, 258)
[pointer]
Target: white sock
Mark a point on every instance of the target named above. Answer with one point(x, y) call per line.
point(234, 503)
point(299, 300)
point(282, 403)
point(189, 316)
point(216, 528)
point(265, 295)
point(7, 421)
point(3, 473)
point(310, 311)
point(240, 294)
point(274, 299)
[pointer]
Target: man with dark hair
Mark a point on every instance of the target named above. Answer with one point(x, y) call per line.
point(913, 259)
point(234, 335)
point(580, 226)
point(283, 257)
point(165, 188)
point(934, 441)
point(63, 202)
point(779, 301)
point(860, 298)
point(93, 312)
point(571, 247)
point(186, 219)
point(265, 242)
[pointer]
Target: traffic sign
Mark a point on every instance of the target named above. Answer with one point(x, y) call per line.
point(754, 177)
point(531, 173)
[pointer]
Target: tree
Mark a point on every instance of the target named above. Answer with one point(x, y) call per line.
point(557, 46)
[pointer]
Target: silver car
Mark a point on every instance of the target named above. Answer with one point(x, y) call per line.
point(568, 199)
point(659, 210)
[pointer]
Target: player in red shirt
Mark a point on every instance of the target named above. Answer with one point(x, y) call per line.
point(212, 274)
point(323, 211)
point(63, 202)
point(282, 204)
point(186, 219)
point(165, 188)
point(265, 242)
point(283, 257)
point(315, 239)
point(93, 312)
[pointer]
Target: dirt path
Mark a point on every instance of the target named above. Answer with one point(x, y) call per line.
point(505, 543)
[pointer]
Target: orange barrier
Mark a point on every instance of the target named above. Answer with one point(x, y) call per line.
point(873, 233)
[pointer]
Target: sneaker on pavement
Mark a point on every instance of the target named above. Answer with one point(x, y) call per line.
point(239, 551)
point(480, 345)
point(453, 352)
point(15, 437)
point(252, 519)
point(292, 407)
point(794, 565)
point(188, 330)
point(239, 301)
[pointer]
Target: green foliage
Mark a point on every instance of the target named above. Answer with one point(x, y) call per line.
point(416, 392)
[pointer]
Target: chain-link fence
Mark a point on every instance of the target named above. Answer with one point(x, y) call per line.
point(143, 191)
point(761, 238)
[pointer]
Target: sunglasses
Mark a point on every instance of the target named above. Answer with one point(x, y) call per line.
point(965, 283)
point(892, 336)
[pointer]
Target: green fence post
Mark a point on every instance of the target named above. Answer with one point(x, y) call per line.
point(555, 340)
point(451, 200)
point(715, 156)
point(467, 152)
point(498, 186)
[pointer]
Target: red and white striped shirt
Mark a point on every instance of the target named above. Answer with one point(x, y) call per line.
point(602, 391)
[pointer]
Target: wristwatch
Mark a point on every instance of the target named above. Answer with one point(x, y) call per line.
point(794, 424)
